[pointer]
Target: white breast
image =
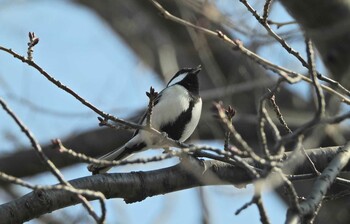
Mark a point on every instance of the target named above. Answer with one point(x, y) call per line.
point(174, 101)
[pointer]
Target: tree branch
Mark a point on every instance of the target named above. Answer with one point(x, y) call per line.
point(327, 31)
point(323, 183)
point(136, 186)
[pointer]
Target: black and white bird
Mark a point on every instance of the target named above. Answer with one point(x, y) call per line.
point(176, 111)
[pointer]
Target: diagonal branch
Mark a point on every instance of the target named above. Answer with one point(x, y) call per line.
point(323, 183)
point(289, 75)
point(53, 169)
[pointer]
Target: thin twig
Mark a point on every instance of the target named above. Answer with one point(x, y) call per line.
point(265, 24)
point(152, 95)
point(323, 182)
point(105, 116)
point(261, 208)
point(33, 40)
point(291, 192)
point(74, 94)
point(258, 201)
point(230, 113)
point(279, 114)
point(243, 145)
point(262, 134)
point(289, 75)
point(23, 183)
point(245, 206)
point(44, 159)
point(264, 117)
point(84, 158)
point(267, 6)
point(280, 24)
point(198, 150)
point(319, 93)
point(263, 21)
point(284, 124)
point(337, 119)
point(333, 83)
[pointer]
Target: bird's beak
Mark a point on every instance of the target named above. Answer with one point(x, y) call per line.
point(197, 69)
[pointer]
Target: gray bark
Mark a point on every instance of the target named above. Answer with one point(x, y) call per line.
point(137, 186)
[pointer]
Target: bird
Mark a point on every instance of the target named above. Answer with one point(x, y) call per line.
point(176, 112)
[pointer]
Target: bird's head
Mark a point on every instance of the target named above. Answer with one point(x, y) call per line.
point(186, 77)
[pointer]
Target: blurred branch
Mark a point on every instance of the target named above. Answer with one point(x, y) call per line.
point(290, 76)
point(329, 33)
point(310, 206)
point(263, 21)
point(321, 104)
point(204, 206)
point(280, 24)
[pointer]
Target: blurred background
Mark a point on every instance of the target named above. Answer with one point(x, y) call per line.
point(110, 52)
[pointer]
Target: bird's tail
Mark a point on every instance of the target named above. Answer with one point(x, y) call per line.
point(116, 154)
point(134, 145)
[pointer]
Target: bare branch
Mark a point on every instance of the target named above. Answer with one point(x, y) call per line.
point(49, 164)
point(323, 182)
point(267, 6)
point(242, 144)
point(33, 40)
point(152, 95)
point(263, 21)
point(280, 24)
point(319, 94)
point(279, 114)
point(136, 186)
point(290, 76)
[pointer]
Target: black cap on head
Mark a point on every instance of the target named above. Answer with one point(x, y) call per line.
point(187, 77)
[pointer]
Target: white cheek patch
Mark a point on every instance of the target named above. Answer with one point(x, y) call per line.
point(177, 79)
